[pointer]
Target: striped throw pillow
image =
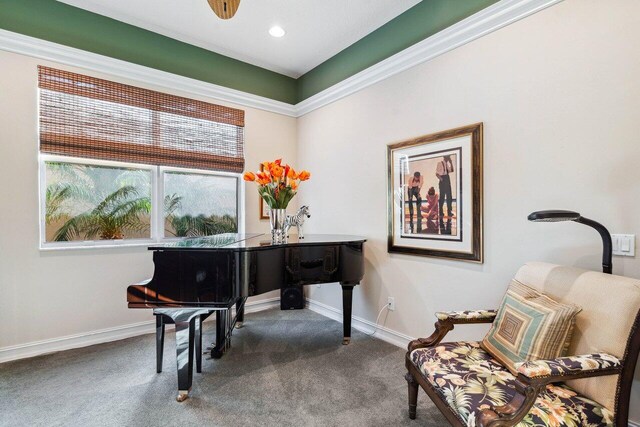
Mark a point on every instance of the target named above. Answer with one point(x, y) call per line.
point(529, 326)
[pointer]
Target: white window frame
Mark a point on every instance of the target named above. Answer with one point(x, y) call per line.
point(157, 205)
point(160, 188)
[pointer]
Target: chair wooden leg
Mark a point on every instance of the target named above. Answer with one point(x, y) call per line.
point(413, 395)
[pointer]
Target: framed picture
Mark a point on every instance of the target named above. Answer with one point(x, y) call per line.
point(435, 195)
point(264, 208)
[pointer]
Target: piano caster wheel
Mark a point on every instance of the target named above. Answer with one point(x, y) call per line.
point(346, 340)
point(182, 396)
point(239, 325)
point(216, 354)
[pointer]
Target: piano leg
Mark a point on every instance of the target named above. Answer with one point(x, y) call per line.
point(221, 334)
point(347, 297)
point(159, 341)
point(240, 312)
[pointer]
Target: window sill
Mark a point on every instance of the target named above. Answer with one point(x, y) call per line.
point(49, 247)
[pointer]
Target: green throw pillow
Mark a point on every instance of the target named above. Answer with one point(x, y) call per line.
point(529, 326)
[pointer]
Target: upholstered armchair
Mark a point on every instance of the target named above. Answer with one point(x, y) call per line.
point(591, 386)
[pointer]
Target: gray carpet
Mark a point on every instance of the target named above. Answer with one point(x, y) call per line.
point(284, 368)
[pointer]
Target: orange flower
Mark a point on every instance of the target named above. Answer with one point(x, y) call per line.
point(249, 176)
point(293, 185)
point(263, 178)
point(277, 171)
point(304, 175)
point(291, 174)
point(278, 162)
point(266, 165)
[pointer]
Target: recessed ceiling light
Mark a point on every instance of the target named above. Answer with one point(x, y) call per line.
point(276, 31)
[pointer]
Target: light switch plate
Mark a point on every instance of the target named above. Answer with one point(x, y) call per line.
point(624, 244)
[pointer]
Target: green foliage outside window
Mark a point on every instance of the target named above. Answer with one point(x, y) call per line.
point(89, 202)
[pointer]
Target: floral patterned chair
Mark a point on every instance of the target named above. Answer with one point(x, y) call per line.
point(471, 388)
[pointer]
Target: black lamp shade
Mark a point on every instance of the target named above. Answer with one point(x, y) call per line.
point(553, 216)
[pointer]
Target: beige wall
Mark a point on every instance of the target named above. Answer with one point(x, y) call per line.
point(560, 100)
point(559, 96)
point(46, 295)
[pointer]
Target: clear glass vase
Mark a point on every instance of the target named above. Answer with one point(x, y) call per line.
point(277, 220)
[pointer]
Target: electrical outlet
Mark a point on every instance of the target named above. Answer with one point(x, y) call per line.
point(391, 303)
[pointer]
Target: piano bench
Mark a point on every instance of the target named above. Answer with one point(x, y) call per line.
point(161, 320)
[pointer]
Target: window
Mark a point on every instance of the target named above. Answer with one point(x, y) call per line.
point(187, 213)
point(90, 202)
point(122, 165)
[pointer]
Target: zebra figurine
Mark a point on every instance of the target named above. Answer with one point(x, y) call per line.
point(297, 220)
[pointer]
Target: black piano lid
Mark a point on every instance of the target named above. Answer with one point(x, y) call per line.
point(252, 241)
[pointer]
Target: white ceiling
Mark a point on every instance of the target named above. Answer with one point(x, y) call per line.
point(315, 29)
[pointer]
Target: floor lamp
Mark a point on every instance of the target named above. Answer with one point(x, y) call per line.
point(558, 216)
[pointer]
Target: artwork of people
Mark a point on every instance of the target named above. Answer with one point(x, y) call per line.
point(431, 197)
point(435, 194)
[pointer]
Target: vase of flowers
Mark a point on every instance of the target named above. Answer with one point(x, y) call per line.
point(277, 185)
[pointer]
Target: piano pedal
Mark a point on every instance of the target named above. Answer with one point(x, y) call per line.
point(182, 395)
point(238, 325)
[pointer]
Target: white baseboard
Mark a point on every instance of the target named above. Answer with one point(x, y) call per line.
point(383, 333)
point(38, 348)
point(634, 423)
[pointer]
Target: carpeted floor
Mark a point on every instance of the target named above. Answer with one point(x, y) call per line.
point(283, 369)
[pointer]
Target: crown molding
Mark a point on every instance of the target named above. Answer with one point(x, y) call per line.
point(31, 46)
point(490, 19)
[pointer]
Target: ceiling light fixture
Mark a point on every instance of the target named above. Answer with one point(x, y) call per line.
point(276, 31)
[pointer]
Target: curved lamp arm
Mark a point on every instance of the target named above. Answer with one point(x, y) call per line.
point(561, 215)
point(606, 242)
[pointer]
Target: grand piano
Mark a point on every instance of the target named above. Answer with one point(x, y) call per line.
point(195, 277)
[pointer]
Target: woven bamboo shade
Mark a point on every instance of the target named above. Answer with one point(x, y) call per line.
point(83, 116)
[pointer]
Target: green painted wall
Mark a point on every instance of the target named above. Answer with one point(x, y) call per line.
point(416, 24)
point(67, 25)
point(60, 23)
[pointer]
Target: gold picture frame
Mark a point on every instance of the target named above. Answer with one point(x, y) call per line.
point(435, 193)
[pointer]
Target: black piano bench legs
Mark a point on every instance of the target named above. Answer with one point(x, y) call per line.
point(159, 341)
point(161, 321)
point(185, 321)
point(347, 297)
